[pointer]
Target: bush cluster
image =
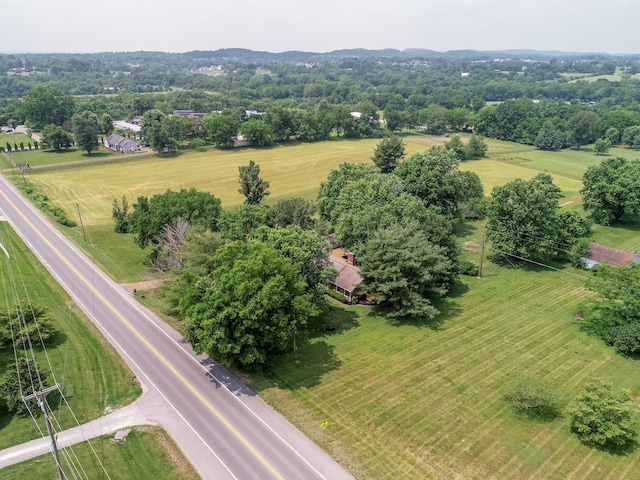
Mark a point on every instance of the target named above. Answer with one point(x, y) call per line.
point(337, 295)
point(41, 201)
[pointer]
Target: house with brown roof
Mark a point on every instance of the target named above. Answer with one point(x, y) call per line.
point(611, 256)
point(348, 277)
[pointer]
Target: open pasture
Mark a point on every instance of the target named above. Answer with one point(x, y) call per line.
point(415, 400)
point(293, 170)
point(296, 169)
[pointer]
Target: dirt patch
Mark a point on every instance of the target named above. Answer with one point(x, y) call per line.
point(635, 397)
point(470, 245)
point(146, 285)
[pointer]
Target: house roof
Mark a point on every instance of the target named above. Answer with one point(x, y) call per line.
point(115, 139)
point(603, 254)
point(348, 275)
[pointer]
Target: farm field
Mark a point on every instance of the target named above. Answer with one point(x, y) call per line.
point(293, 170)
point(408, 400)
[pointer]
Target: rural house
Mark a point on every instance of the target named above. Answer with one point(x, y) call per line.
point(348, 277)
point(118, 143)
point(612, 256)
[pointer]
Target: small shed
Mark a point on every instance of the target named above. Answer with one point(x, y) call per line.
point(611, 256)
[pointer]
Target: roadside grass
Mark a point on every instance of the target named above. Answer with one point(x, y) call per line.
point(423, 400)
point(92, 375)
point(5, 163)
point(147, 452)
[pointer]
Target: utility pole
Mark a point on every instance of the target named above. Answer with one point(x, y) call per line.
point(484, 240)
point(41, 396)
point(81, 224)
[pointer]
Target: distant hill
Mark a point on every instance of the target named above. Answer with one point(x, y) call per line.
point(296, 55)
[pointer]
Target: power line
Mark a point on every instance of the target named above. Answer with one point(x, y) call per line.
point(540, 264)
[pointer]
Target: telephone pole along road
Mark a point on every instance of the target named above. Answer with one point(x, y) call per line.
point(226, 430)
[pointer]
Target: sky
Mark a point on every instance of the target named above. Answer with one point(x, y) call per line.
point(85, 26)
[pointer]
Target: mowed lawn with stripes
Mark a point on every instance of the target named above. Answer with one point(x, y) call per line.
point(412, 400)
point(418, 400)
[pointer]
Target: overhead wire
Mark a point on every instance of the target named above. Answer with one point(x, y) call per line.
point(20, 336)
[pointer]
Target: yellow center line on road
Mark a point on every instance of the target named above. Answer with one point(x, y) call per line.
point(237, 434)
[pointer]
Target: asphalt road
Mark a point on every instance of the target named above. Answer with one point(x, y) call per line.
point(225, 429)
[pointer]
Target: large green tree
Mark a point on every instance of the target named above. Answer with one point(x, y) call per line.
point(306, 249)
point(379, 201)
point(292, 211)
point(252, 307)
point(388, 153)
point(238, 223)
point(86, 128)
point(46, 105)
point(601, 416)
point(402, 269)
point(158, 132)
point(434, 119)
point(149, 216)
point(524, 219)
point(434, 177)
point(258, 132)
point(21, 379)
point(584, 127)
point(615, 314)
point(612, 189)
point(222, 129)
point(254, 188)
point(24, 327)
point(335, 183)
point(56, 137)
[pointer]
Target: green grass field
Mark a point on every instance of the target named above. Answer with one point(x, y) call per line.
point(147, 452)
point(295, 169)
point(415, 400)
point(14, 139)
point(409, 400)
point(93, 377)
point(47, 157)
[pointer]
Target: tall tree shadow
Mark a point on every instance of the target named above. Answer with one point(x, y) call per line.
point(333, 320)
point(302, 368)
point(448, 307)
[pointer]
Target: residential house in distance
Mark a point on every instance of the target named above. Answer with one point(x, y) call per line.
point(611, 256)
point(188, 113)
point(118, 143)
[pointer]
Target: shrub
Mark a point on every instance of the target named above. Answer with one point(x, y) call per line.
point(43, 203)
point(531, 396)
point(601, 417)
point(337, 295)
point(465, 267)
point(198, 143)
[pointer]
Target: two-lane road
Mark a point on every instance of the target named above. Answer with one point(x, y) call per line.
point(225, 430)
